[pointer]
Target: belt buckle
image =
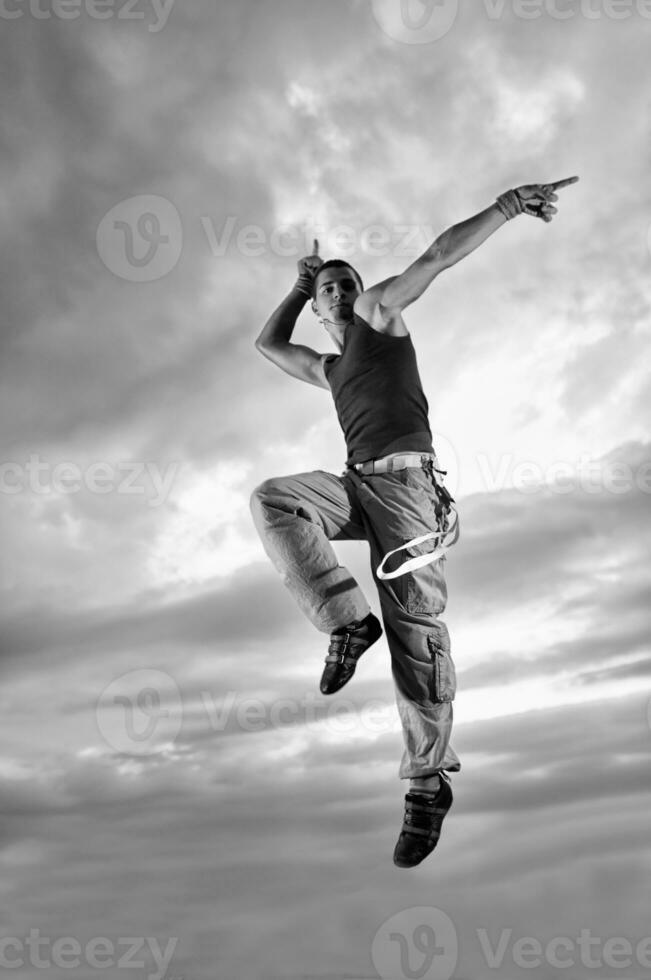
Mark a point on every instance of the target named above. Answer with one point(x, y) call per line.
point(401, 461)
point(392, 462)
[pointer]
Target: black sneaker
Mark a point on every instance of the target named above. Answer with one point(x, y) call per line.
point(346, 647)
point(421, 828)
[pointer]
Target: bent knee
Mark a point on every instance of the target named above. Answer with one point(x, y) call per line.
point(263, 493)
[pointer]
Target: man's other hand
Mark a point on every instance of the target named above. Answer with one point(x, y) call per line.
point(310, 265)
point(307, 270)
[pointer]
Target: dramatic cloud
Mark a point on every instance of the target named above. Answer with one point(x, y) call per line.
point(169, 768)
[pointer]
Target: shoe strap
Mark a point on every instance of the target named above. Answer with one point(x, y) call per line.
point(339, 649)
point(339, 642)
point(340, 658)
point(420, 816)
point(410, 828)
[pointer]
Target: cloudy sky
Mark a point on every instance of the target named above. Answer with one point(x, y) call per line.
point(169, 770)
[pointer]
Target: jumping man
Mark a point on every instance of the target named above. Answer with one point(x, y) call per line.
point(390, 494)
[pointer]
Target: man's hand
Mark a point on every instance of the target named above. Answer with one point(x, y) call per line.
point(307, 270)
point(535, 199)
point(311, 263)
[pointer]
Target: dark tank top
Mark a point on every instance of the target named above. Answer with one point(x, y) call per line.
point(378, 394)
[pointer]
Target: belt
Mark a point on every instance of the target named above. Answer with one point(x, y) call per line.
point(394, 462)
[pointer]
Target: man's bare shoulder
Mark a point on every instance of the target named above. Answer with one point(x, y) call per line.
point(369, 307)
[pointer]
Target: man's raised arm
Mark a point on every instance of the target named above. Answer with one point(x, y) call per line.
point(278, 329)
point(275, 339)
point(393, 295)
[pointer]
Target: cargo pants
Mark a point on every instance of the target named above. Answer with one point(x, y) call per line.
point(298, 516)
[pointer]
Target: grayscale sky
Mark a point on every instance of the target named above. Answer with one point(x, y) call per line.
point(169, 769)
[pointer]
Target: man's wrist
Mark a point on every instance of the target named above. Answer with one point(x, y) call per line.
point(509, 204)
point(304, 285)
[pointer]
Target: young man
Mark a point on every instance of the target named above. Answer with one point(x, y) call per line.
point(388, 495)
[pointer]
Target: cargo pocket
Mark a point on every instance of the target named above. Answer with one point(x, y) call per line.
point(424, 592)
point(444, 678)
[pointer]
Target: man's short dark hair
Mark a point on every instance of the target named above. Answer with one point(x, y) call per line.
point(337, 264)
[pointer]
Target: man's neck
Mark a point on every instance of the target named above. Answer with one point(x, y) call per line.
point(337, 332)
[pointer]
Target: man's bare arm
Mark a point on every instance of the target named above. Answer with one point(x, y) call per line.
point(274, 340)
point(394, 295)
point(448, 249)
point(280, 326)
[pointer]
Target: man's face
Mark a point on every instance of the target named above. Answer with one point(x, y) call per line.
point(336, 291)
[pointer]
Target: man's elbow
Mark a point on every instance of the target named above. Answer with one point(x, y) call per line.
point(267, 348)
point(439, 255)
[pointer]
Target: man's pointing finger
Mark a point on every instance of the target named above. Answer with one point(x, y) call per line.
point(315, 247)
point(563, 183)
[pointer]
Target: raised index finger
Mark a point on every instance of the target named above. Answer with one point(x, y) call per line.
point(315, 247)
point(563, 183)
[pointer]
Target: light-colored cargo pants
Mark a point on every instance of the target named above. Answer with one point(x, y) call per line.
point(298, 516)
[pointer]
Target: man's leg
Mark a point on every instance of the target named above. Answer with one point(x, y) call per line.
point(397, 508)
point(296, 517)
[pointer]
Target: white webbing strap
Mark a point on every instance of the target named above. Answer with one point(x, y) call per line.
point(420, 560)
